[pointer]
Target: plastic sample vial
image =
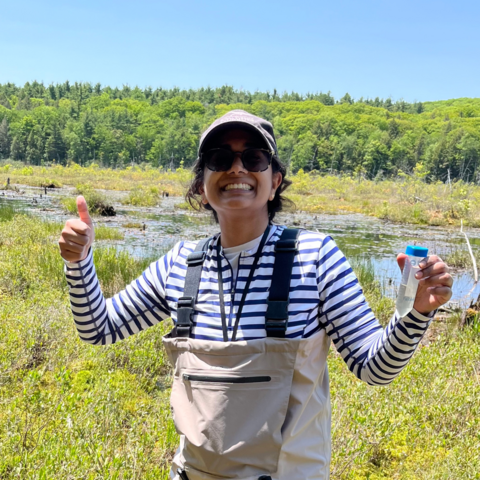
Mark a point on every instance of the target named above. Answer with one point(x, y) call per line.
point(409, 284)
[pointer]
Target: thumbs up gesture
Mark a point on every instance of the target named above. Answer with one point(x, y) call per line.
point(77, 235)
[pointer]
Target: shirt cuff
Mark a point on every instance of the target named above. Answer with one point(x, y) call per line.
point(419, 318)
point(72, 266)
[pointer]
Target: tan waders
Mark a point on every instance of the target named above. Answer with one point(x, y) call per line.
point(249, 410)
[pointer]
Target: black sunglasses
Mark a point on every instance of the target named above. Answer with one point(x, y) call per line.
point(253, 159)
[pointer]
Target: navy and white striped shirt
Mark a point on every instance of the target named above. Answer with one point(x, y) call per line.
point(324, 293)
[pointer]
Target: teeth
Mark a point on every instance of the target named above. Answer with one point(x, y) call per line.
point(238, 186)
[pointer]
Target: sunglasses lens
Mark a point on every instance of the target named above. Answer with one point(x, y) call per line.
point(219, 159)
point(256, 160)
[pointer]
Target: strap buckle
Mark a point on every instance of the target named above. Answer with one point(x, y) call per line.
point(276, 318)
point(289, 245)
point(196, 258)
point(184, 316)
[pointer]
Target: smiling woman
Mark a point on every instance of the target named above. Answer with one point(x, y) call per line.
point(255, 308)
point(244, 151)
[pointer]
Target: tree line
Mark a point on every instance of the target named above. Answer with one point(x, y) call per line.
point(115, 127)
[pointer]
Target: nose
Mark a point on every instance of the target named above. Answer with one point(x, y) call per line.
point(237, 165)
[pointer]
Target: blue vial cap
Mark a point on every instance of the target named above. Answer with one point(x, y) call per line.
point(415, 251)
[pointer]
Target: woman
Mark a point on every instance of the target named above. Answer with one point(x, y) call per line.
point(250, 396)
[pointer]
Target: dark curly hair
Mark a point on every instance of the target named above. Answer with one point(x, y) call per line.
point(278, 203)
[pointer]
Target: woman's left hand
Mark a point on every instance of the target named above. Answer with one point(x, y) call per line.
point(435, 286)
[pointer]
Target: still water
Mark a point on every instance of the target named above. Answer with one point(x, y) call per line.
point(357, 235)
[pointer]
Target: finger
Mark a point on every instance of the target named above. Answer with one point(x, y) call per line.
point(442, 292)
point(68, 246)
point(442, 279)
point(75, 237)
point(430, 260)
point(401, 259)
point(78, 226)
point(83, 210)
point(434, 269)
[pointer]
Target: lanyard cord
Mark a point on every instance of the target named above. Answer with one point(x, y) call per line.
point(245, 290)
point(220, 294)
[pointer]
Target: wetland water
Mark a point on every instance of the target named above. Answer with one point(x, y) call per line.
point(357, 235)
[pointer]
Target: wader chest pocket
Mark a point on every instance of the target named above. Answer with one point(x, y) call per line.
point(231, 415)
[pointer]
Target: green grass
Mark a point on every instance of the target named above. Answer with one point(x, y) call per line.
point(143, 197)
point(108, 233)
point(75, 411)
point(461, 258)
point(7, 212)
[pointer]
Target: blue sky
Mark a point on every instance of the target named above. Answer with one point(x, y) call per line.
point(415, 50)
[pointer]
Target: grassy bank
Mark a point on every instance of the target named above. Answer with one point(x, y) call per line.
point(70, 410)
point(406, 199)
point(403, 200)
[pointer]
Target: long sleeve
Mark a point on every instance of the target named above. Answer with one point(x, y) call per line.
point(374, 354)
point(140, 305)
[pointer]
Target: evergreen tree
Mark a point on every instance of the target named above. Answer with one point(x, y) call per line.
point(5, 139)
point(55, 146)
point(34, 149)
point(17, 150)
point(346, 99)
point(5, 102)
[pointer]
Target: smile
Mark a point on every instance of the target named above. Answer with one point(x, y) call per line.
point(238, 186)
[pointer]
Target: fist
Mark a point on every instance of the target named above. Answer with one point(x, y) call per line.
point(77, 235)
point(435, 283)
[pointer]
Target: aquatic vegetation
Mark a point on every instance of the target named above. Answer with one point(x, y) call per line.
point(143, 197)
point(132, 225)
point(103, 232)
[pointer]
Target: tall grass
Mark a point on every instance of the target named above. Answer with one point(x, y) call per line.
point(7, 212)
point(143, 197)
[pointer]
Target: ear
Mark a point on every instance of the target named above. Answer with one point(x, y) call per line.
point(276, 181)
point(201, 190)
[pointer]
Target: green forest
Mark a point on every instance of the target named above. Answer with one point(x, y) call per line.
point(112, 127)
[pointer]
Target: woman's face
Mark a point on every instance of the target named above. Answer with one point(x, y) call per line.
point(238, 190)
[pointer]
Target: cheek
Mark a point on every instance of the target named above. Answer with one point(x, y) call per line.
point(208, 183)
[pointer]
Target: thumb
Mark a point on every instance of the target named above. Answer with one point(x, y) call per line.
point(401, 258)
point(83, 210)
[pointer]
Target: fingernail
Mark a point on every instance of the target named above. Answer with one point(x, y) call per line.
point(422, 264)
point(419, 275)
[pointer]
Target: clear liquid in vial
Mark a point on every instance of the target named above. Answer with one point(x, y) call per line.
point(408, 286)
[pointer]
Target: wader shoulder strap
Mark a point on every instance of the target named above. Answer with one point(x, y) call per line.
point(186, 303)
point(276, 318)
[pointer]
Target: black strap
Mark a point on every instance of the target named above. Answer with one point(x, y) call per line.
point(182, 474)
point(276, 318)
point(186, 304)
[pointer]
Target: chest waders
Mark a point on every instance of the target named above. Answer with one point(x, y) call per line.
point(231, 400)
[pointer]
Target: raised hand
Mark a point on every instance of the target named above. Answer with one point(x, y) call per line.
point(77, 235)
point(435, 286)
